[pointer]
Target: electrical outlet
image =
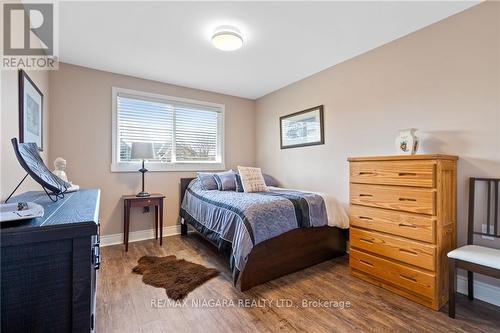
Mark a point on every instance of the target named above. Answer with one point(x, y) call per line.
point(484, 230)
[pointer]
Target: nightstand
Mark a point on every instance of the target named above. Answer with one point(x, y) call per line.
point(156, 200)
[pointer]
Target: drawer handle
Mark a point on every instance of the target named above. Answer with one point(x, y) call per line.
point(365, 218)
point(366, 262)
point(408, 278)
point(409, 251)
point(96, 257)
point(364, 173)
point(407, 199)
point(367, 240)
point(406, 174)
point(407, 225)
point(366, 195)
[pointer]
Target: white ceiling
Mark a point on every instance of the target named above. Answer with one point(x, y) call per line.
point(284, 42)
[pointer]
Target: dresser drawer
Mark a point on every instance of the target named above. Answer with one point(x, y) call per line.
point(401, 249)
point(404, 173)
point(415, 200)
point(411, 279)
point(418, 227)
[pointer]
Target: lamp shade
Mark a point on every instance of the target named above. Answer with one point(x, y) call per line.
point(142, 151)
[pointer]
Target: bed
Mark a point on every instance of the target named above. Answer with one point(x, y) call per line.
point(306, 229)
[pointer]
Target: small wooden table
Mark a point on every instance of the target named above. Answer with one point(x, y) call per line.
point(155, 199)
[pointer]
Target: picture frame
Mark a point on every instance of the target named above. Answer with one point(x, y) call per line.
point(303, 128)
point(30, 111)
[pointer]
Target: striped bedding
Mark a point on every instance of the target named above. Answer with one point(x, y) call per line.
point(236, 221)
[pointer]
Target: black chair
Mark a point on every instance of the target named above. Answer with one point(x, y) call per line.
point(475, 258)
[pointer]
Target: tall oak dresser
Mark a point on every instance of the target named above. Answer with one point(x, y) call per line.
point(403, 223)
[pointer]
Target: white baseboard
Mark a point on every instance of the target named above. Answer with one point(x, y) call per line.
point(482, 291)
point(134, 236)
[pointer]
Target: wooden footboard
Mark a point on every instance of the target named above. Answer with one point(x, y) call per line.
point(287, 253)
point(291, 252)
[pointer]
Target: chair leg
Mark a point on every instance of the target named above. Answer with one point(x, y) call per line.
point(470, 282)
point(452, 287)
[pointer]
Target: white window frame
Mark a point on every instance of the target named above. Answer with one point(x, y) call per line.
point(133, 166)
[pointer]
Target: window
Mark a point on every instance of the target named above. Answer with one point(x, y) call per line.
point(186, 135)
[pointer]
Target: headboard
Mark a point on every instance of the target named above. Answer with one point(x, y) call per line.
point(184, 184)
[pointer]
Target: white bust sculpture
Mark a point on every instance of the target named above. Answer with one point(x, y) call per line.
point(60, 166)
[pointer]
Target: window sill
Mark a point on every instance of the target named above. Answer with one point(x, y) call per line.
point(162, 167)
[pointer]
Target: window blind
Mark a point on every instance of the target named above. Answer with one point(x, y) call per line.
point(179, 132)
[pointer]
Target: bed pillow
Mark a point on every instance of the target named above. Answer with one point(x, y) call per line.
point(252, 179)
point(226, 181)
point(239, 185)
point(270, 180)
point(207, 181)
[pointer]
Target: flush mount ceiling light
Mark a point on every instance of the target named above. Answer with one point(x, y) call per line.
point(227, 38)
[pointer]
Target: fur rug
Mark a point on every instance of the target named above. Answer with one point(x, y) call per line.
point(177, 277)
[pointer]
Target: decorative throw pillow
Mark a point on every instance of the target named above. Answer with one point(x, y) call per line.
point(207, 181)
point(270, 180)
point(252, 179)
point(226, 181)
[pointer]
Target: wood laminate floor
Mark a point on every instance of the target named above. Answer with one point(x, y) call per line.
point(288, 304)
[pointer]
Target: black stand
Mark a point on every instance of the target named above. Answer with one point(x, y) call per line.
point(53, 197)
point(10, 195)
point(143, 193)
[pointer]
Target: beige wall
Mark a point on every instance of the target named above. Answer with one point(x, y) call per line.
point(443, 80)
point(11, 172)
point(81, 133)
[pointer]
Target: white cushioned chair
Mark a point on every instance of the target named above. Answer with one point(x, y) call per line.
point(475, 258)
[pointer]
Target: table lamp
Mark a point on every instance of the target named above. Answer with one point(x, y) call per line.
point(142, 151)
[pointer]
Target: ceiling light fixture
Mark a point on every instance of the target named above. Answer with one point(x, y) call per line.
point(227, 38)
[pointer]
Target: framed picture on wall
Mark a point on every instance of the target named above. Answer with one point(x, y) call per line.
point(304, 128)
point(30, 111)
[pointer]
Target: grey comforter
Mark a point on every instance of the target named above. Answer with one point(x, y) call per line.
point(243, 220)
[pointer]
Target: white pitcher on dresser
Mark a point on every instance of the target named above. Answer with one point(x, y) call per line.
point(407, 141)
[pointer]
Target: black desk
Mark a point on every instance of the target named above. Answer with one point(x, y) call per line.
point(48, 265)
